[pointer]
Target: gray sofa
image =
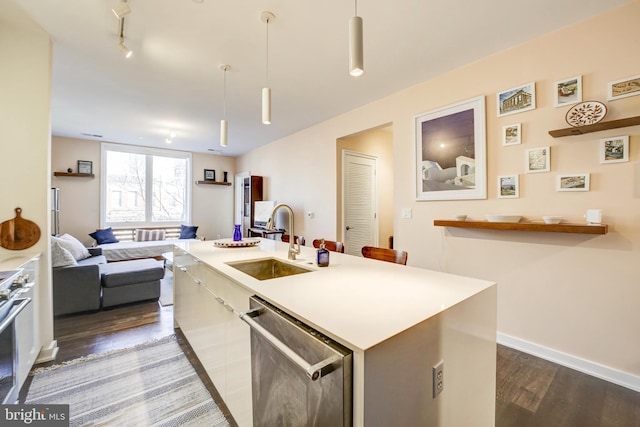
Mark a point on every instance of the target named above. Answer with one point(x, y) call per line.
point(93, 283)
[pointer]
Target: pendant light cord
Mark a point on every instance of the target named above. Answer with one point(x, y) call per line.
point(224, 96)
point(356, 7)
point(267, 61)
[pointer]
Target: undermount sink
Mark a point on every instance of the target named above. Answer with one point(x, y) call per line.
point(268, 268)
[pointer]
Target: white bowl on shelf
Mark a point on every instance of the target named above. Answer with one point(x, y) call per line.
point(552, 219)
point(460, 217)
point(503, 218)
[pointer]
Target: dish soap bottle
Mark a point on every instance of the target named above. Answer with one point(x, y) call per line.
point(237, 234)
point(323, 255)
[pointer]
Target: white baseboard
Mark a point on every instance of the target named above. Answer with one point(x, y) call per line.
point(48, 353)
point(606, 373)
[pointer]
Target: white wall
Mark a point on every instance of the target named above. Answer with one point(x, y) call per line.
point(573, 295)
point(25, 85)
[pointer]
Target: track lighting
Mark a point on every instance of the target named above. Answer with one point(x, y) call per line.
point(121, 10)
point(121, 46)
point(356, 56)
point(267, 17)
point(223, 122)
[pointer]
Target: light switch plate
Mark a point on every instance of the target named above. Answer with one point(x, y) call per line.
point(406, 213)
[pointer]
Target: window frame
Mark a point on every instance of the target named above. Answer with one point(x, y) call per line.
point(147, 152)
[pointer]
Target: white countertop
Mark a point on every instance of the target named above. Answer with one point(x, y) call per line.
point(357, 301)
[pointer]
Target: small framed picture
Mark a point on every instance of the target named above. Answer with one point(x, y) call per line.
point(538, 160)
point(209, 175)
point(85, 166)
point(614, 149)
point(517, 99)
point(567, 91)
point(573, 182)
point(623, 88)
point(511, 134)
point(508, 187)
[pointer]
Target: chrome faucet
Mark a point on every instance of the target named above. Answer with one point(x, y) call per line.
point(293, 251)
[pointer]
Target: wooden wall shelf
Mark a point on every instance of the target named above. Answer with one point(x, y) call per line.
point(213, 183)
point(526, 226)
point(75, 175)
point(613, 124)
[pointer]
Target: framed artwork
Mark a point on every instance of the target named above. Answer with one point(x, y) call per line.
point(573, 182)
point(85, 166)
point(538, 160)
point(511, 134)
point(508, 187)
point(517, 99)
point(567, 91)
point(209, 175)
point(451, 152)
point(623, 88)
point(614, 149)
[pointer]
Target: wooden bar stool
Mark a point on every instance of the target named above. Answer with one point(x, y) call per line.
point(384, 254)
point(330, 245)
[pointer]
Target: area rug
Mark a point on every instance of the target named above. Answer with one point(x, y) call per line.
point(152, 384)
point(166, 289)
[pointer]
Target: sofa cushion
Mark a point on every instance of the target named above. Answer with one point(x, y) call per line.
point(149, 235)
point(73, 245)
point(188, 231)
point(60, 257)
point(103, 236)
point(130, 272)
point(94, 260)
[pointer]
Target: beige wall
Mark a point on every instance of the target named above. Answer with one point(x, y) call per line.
point(25, 85)
point(568, 295)
point(377, 143)
point(212, 205)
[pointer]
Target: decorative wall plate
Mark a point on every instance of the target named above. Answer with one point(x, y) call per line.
point(586, 113)
point(230, 243)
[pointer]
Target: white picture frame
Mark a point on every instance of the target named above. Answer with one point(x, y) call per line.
point(538, 160)
point(508, 187)
point(614, 149)
point(516, 100)
point(451, 148)
point(623, 88)
point(512, 134)
point(567, 91)
point(573, 182)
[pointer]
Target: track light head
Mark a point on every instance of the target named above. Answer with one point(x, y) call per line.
point(121, 10)
point(125, 50)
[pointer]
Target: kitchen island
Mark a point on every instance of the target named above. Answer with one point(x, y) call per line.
point(399, 322)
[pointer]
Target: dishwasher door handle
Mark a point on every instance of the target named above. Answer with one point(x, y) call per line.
point(314, 372)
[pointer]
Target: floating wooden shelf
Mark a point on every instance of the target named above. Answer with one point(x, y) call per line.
point(76, 175)
point(213, 183)
point(613, 124)
point(526, 226)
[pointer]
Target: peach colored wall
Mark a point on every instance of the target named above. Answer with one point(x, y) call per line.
point(211, 205)
point(378, 143)
point(25, 85)
point(572, 294)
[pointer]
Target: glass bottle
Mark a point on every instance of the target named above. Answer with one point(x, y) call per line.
point(323, 255)
point(237, 234)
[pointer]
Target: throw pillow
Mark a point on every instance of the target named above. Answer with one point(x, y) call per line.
point(104, 236)
point(74, 246)
point(60, 257)
point(188, 231)
point(149, 235)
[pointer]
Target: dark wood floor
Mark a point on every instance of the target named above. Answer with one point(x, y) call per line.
point(531, 392)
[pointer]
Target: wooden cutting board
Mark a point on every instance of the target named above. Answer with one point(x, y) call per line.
point(19, 233)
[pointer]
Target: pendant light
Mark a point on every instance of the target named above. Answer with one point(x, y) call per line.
point(223, 122)
point(356, 56)
point(267, 17)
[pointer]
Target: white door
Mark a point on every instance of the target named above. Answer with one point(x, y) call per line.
point(359, 201)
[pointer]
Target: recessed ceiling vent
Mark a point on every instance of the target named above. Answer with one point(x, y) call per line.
point(92, 135)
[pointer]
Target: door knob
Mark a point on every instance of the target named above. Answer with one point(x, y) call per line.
point(348, 228)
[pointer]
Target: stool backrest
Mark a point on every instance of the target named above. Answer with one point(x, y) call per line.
point(330, 245)
point(384, 254)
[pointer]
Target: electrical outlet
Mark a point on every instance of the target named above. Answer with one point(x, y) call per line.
point(438, 378)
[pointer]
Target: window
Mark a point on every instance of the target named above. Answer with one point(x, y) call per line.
point(144, 186)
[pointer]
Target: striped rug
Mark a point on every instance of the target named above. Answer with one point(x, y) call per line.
point(152, 384)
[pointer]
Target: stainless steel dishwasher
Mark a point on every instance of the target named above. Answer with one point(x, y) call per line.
point(299, 376)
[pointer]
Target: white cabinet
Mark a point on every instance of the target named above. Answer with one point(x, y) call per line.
point(206, 309)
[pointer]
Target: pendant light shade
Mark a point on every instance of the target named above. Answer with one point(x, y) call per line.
point(223, 132)
point(266, 105)
point(356, 57)
point(223, 122)
point(266, 17)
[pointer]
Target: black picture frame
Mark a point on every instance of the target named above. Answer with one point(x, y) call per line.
point(85, 167)
point(209, 175)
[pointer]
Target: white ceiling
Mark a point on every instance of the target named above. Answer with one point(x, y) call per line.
point(173, 80)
